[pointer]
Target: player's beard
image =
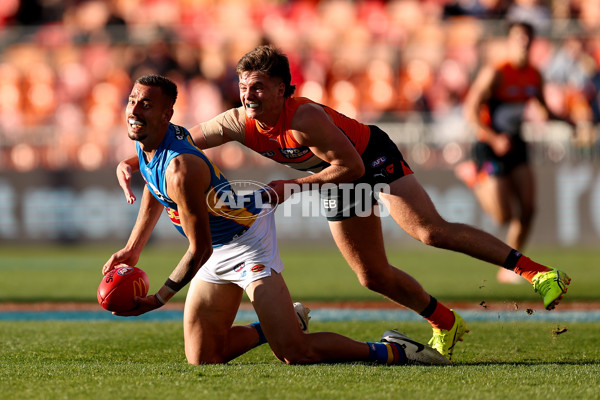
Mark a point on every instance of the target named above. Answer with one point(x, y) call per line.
point(137, 136)
point(135, 131)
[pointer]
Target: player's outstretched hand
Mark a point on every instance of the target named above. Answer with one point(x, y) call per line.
point(123, 256)
point(124, 172)
point(277, 192)
point(145, 304)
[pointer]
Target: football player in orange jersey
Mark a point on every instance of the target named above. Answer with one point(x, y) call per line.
point(344, 153)
point(503, 180)
point(227, 254)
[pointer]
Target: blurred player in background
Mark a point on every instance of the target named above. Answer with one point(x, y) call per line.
point(232, 248)
point(502, 177)
point(312, 137)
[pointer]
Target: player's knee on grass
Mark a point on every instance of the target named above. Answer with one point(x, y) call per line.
point(197, 354)
point(199, 358)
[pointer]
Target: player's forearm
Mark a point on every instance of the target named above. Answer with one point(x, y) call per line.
point(184, 272)
point(228, 126)
point(209, 138)
point(148, 215)
point(335, 174)
point(132, 162)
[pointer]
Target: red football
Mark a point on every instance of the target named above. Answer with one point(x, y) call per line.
point(118, 287)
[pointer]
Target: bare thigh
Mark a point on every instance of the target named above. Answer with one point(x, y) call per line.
point(412, 209)
point(209, 313)
point(495, 195)
point(273, 305)
point(360, 239)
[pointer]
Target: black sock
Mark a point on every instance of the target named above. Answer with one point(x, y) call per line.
point(511, 261)
point(426, 313)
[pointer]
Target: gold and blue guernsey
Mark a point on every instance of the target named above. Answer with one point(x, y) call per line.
point(230, 215)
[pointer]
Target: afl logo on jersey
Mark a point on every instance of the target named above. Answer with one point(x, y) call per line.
point(378, 162)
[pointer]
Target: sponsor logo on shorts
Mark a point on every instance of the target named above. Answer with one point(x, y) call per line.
point(239, 267)
point(378, 162)
point(257, 268)
point(390, 168)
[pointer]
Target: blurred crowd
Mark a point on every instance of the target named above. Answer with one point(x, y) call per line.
point(66, 67)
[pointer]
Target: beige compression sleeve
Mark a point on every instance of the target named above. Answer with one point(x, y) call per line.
point(225, 127)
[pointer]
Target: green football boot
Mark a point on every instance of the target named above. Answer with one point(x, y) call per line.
point(551, 285)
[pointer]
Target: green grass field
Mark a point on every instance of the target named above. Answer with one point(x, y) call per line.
point(123, 360)
point(145, 360)
point(312, 274)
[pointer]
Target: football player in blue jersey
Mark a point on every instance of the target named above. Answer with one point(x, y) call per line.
point(344, 153)
point(230, 250)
